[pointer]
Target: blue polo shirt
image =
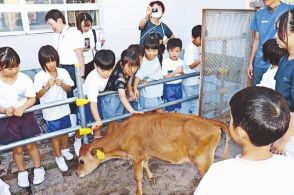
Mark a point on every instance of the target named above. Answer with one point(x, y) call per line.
point(285, 80)
point(162, 29)
point(264, 23)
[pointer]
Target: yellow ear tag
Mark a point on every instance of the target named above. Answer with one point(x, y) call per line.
point(100, 155)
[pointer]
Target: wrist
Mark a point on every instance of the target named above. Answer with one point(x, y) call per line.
point(147, 17)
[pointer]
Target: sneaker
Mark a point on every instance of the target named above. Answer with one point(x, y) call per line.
point(77, 146)
point(61, 164)
point(66, 154)
point(39, 175)
point(23, 179)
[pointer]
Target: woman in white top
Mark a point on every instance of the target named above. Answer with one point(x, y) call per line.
point(94, 39)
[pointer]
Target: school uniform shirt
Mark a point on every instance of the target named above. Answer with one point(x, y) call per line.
point(54, 94)
point(150, 71)
point(192, 53)
point(243, 177)
point(264, 23)
point(268, 78)
point(94, 84)
point(16, 94)
point(169, 65)
point(66, 42)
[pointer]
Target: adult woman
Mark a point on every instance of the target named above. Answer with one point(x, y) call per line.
point(151, 22)
point(94, 40)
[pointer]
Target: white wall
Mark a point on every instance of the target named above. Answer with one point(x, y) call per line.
point(120, 22)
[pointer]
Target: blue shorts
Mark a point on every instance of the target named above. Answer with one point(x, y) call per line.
point(88, 113)
point(172, 92)
point(58, 124)
point(150, 102)
point(111, 106)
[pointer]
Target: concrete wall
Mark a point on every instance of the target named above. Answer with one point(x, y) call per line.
point(120, 22)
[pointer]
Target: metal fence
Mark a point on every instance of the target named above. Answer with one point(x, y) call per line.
point(227, 41)
point(83, 121)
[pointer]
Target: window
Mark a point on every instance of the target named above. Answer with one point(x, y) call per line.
point(28, 16)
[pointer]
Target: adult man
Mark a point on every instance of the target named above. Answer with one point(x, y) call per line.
point(263, 26)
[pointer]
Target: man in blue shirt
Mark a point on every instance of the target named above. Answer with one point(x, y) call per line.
point(263, 26)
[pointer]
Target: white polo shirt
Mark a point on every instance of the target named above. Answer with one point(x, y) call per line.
point(66, 42)
point(54, 94)
point(192, 53)
point(169, 65)
point(94, 84)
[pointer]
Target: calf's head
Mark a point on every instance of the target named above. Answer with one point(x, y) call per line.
point(89, 160)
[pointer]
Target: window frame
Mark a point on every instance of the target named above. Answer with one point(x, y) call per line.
point(24, 9)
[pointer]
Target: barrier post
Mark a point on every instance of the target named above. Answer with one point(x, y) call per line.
point(81, 96)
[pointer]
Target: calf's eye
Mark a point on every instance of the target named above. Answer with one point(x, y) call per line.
point(82, 162)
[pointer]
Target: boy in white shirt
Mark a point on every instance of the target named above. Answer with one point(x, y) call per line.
point(192, 62)
point(259, 116)
point(172, 90)
point(95, 83)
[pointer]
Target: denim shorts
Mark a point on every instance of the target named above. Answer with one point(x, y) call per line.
point(14, 128)
point(111, 106)
point(146, 103)
point(172, 92)
point(88, 113)
point(58, 124)
point(191, 106)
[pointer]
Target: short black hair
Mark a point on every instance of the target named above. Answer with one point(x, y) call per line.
point(173, 43)
point(8, 58)
point(46, 54)
point(262, 112)
point(86, 17)
point(104, 59)
point(153, 42)
point(272, 52)
point(196, 31)
point(137, 48)
point(55, 14)
point(158, 3)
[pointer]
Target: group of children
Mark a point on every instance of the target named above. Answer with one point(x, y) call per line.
point(137, 64)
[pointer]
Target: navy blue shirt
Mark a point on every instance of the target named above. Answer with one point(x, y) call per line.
point(162, 29)
point(285, 80)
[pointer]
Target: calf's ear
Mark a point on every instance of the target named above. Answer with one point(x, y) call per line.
point(98, 153)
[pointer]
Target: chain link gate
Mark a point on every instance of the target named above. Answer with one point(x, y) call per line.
point(227, 41)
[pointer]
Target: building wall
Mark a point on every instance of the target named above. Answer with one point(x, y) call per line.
point(120, 21)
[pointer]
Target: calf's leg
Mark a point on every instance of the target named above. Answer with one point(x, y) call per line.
point(138, 169)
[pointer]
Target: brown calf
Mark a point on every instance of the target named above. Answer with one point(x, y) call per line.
point(170, 137)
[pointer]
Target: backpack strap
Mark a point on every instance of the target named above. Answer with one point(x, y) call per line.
point(95, 37)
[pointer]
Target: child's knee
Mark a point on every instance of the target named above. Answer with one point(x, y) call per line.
point(31, 147)
point(18, 150)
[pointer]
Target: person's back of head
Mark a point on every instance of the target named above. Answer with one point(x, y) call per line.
point(196, 31)
point(104, 59)
point(8, 58)
point(272, 52)
point(137, 49)
point(54, 14)
point(173, 43)
point(262, 112)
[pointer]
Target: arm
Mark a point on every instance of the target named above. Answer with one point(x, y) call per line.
point(195, 64)
point(252, 54)
point(130, 91)
point(29, 103)
point(8, 111)
point(144, 20)
point(136, 83)
point(124, 101)
point(80, 56)
point(95, 114)
point(166, 40)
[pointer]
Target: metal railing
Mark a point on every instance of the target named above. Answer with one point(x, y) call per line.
point(83, 121)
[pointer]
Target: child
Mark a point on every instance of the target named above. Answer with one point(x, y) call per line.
point(150, 70)
point(172, 90)
point(17, 95)
point(51, 84)
point(96, 81)
point(273, 53)
point(259, 116)
point(113, 105)
point(284, 79)
point(192, 61)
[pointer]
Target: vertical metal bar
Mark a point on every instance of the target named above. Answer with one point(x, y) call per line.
point(80, 95)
